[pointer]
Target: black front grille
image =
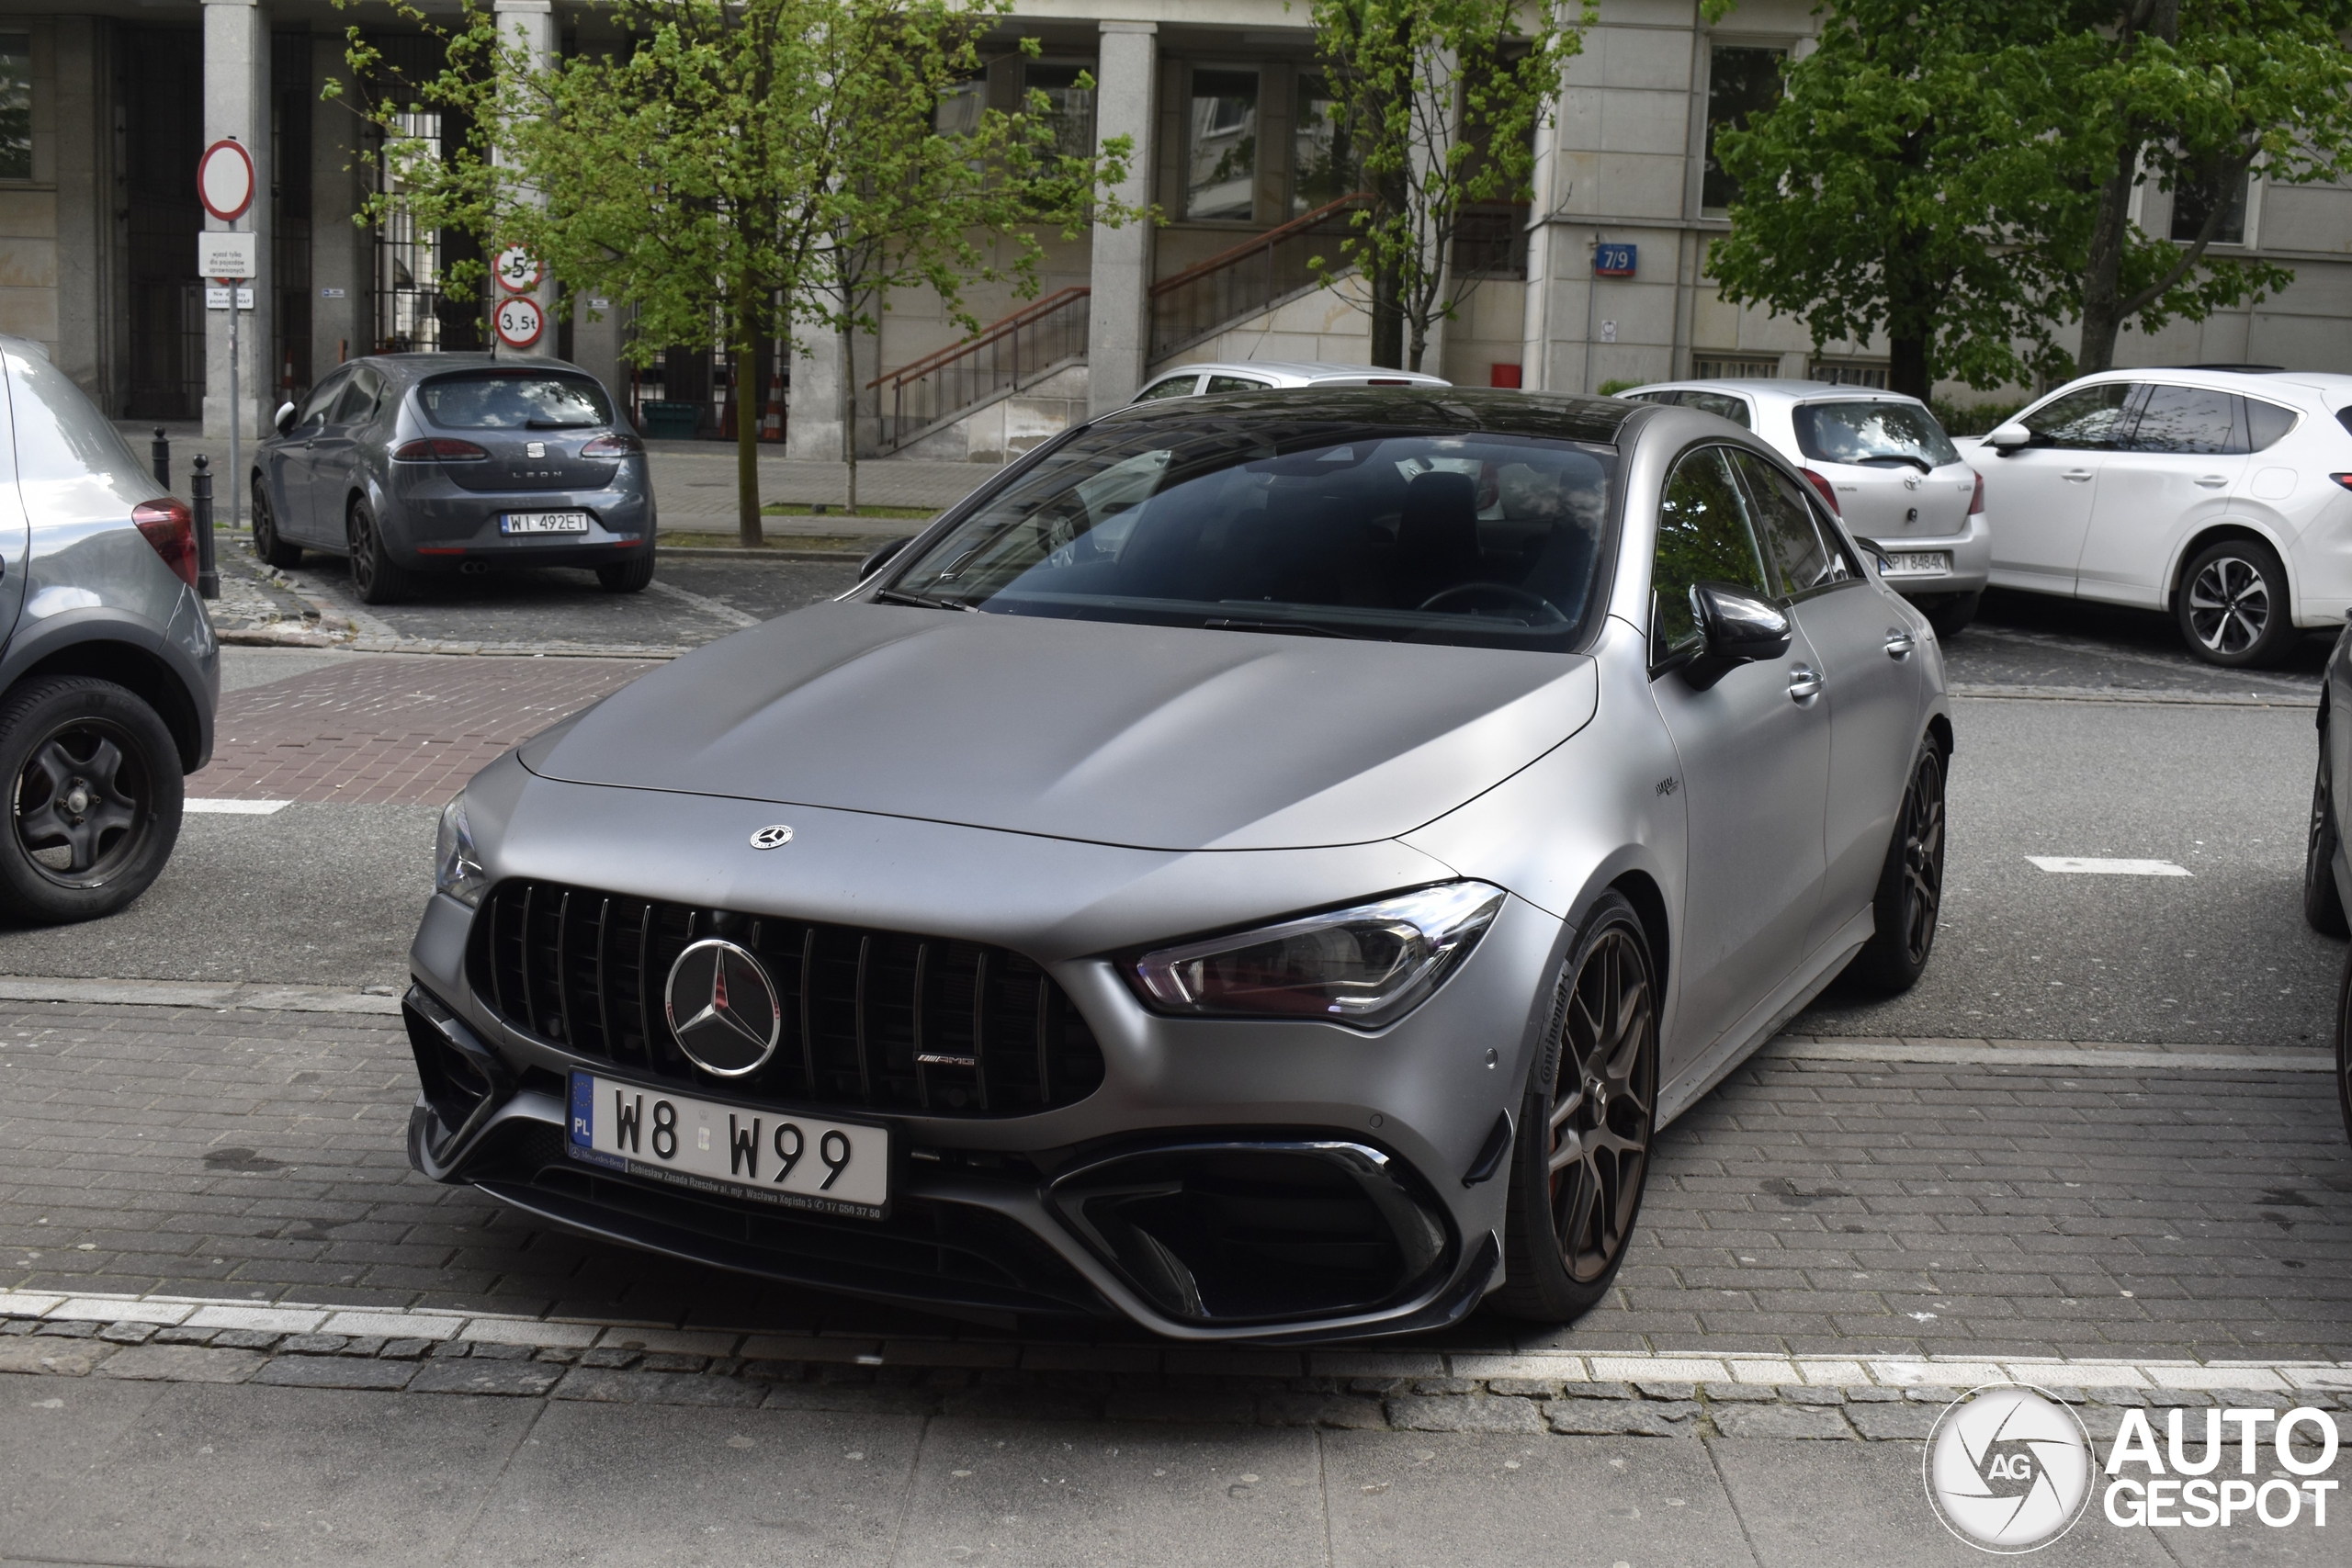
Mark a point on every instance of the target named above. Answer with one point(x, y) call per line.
point(875, 1020)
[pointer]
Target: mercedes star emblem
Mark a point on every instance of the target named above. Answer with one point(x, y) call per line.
point(723, 1008)
point(772, 837)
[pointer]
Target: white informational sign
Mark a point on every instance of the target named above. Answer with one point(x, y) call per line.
point(1609, 332)
point(518, 321)
point(517, 270)
point(216, 297)
point(224, 180)
point(228, 255)
point(330, 293)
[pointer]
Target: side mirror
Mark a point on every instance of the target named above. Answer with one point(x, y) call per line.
point(1738, 628)
point(284, 418)
point(882, 555)
point(2006, 438)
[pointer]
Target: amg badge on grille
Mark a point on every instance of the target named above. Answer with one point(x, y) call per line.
point(723, 1008)
point(774, 836)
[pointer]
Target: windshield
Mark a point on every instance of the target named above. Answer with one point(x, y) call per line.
point(1318, 527)
point(515, 400)
point(1882, 435)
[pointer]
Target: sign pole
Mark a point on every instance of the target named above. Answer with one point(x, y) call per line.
point(234, 470)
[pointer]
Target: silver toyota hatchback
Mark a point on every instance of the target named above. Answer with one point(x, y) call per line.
point(1263, 866)
point(414, 464)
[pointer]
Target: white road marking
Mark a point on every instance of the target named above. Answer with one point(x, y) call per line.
point(2090, 867)
point(708, 606)
point(236, 808)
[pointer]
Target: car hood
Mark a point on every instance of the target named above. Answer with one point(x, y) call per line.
point(1149, 737)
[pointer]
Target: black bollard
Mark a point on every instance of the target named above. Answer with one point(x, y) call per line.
point(161, 453)
point(207, 577)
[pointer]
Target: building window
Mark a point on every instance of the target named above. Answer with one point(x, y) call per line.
point(1069, 108)
point(1221, 180)
point(1848, 372)
point(1322, 164)
point(2194, 197)
point(408, 258)
point(15, 106)
point(1743, 81)
point(1726, 368)
point(959, 109)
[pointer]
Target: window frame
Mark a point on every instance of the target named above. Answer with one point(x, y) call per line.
point(31, 176)
point(1193, 70)
point(1663, 660)
point(1832, 536)
point(1701, 109)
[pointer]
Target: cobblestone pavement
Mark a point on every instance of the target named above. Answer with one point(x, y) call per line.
point(1808, 1208)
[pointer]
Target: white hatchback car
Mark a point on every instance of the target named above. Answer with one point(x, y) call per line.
point(1257, 375)
point(1883, 464)
point(2223, 496)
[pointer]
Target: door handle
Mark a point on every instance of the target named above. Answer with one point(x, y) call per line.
point(1899, 643)
point(2078, 476)
point(1804, 684)
point(2212, 481)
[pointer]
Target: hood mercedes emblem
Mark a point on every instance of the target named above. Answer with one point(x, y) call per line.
point(723, 1008)
point(774, 836)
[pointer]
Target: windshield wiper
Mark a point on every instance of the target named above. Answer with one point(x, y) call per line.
point(922, 601)
point(1291, 628)
point(1920, 463)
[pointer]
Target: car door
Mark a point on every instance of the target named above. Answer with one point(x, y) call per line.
point(2038, 497)
point(16, 525)
point(1870, 663)
point(2175, 472)
point(1754, 749)
point(334, 456)
point(286, 462)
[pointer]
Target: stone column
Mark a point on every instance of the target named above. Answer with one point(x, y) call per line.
point(236, 104)
point(1118, 332)
point(531, 23)
point(342, 254)
point(812, 405)
point(86, 252)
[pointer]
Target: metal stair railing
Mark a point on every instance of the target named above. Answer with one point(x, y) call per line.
point(1003, 357)
point(1249, 277)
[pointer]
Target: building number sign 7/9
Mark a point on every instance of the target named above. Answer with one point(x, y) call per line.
point(1614, 261)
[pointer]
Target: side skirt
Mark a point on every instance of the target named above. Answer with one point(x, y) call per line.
point(1767, 1019)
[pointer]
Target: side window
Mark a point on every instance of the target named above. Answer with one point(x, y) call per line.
point(2266, 424)
point(1805, 557)
point(2091, 418)
point(358, 398)
point(1722, 405)
point(322, 399)
point(1702, 536)
point(1235, 384)
point(2186, 419)
point(1175, 387)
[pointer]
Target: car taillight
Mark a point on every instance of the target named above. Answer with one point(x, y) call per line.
point(170, 526)
point(2344, 479)
point(1826, 493)
point(438, 449)
point(612, 447)
point(1976, 502)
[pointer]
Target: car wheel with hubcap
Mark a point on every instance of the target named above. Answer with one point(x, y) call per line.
point(95, 798)
point(374, 577)
point(272, 549)
point(2233, 605)
point(2323, 901)
point(1910, 883)
point(629, 576)
point(1582, 1154)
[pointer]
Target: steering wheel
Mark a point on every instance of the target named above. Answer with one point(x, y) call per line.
point(1545, 610)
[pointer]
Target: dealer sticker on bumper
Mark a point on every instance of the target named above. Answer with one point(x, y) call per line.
point(798, 1162)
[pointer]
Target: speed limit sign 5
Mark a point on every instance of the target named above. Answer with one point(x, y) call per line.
point(517, 270)
point(518, 321)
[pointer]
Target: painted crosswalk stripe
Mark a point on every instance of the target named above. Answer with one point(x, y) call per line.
point(236, 808)
point(2090, 867)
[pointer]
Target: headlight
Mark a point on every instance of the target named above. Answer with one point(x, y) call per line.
point(1366, 967)
point(456, 868)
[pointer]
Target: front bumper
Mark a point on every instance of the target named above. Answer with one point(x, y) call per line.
point(1239, 1180)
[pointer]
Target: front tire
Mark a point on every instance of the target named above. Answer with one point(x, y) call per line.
point(1582, 1154)
point(1910, 884)
point(267, 545)
point(94, 801)
point(374, 575)
point(1952, 613)
point(2323, 901)
point(2234, 607)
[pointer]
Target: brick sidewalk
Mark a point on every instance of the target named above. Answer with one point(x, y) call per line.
point(400, 730)
point(1806, 1208)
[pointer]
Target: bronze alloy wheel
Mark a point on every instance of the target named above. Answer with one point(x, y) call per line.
point(2343, 1044)
point(2323, 903)
point(1922, 831)
point(1604, 1100)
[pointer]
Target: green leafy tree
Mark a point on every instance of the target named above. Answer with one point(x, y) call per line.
point(1436, 102)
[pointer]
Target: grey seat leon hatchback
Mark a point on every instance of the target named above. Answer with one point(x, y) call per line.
point(410, 464)
point(109, 671)
point(1264, 866)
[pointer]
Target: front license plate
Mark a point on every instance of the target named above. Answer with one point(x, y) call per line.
point(1917, 563)
point(798, 1162)
point(543, 522)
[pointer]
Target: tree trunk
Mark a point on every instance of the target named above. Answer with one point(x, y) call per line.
point(1907, 364)
point(2103, 266)
point(747, 445)
point(849, 411)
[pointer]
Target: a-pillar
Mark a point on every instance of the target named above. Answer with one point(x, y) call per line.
point(530, 25)
point(342, 254)
point(1118, 327)
point(236, 105)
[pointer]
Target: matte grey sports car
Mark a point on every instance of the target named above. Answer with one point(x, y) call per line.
point(1265, 865)
point(413, 464)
